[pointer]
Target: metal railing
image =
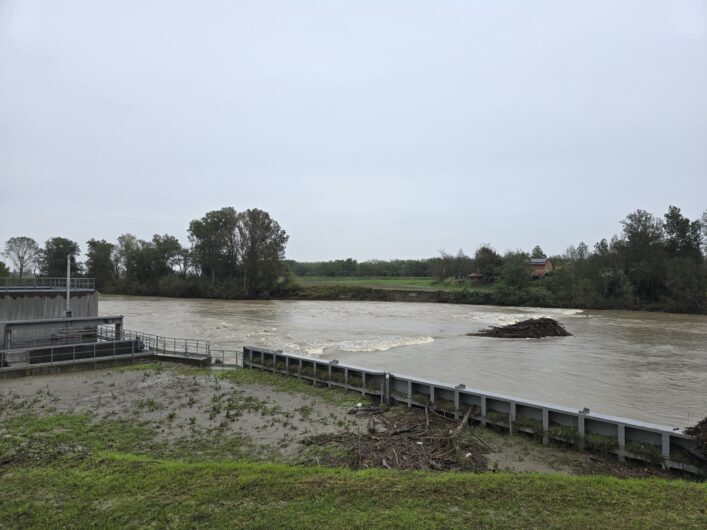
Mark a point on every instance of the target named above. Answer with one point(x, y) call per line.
point(583, 429)
point(11, 283)
point(157, 343)
point(72, 353)
point(58, 337)
point(227, 357)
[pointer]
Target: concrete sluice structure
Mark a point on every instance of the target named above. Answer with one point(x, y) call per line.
point(39, 328)
point(46, 321)
point(582, 429)
point(41, 299)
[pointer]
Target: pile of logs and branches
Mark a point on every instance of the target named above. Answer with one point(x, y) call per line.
point(699, 431)
point(533, 328)
point(404, 440)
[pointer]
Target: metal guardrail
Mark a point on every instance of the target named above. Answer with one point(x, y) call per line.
point(58, 337)
point(157, 343)
point(101, 341)
point(581, 429)
point(45, 282)
point(63, 353)
point(227, 357)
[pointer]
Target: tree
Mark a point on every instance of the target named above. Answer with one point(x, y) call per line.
point(53, 257)
point(213, 238)
point(682, 237)
point(23, 252)
point(261, 248)
point(4, 271)
point(169, 252)
point(537, 252)
point(127, 243)
point(643, 254)
point(99, 262)
point(487, 262)
point(515, 271)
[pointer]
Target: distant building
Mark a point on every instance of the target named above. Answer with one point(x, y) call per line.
point(539, 267)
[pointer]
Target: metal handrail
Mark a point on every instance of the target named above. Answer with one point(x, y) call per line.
point(59, 352)
point(227, 357)
point(157, 343)
point(45, 282)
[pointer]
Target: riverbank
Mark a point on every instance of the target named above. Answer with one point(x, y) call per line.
point(159, 444)
point(538, 293)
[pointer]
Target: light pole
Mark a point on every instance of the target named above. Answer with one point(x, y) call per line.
point(67, 313)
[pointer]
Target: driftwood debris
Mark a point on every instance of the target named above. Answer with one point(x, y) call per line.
point(699, 431)
point(533, 328)
point(404, 440)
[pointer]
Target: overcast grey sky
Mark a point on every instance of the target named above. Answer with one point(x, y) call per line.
point(368, 129)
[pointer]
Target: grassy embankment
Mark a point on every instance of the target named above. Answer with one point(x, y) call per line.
point(72, 470)
point(413, 283)
point(398, 289)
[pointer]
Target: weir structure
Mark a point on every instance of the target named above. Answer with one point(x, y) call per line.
point(48, 322)
point(582, 429)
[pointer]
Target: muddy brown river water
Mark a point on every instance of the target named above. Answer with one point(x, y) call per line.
point(645, 366)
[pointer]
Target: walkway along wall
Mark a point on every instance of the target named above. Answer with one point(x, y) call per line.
point(623, 437)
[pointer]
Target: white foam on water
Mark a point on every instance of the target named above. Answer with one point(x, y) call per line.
point(381, 344)
point(373, 344)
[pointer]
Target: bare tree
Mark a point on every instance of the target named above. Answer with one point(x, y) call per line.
point(23, 252)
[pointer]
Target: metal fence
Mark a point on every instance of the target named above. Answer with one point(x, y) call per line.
point(57, 338)
point(11, 283)
point(582, 429)
point(227, 357)
point(157, 343)
point(62, 353)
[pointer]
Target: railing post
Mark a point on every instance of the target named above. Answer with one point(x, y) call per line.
point(621, 435)
point(665, 448)
point(546, 426)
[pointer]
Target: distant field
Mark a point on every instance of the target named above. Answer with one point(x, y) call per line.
point(416, 283)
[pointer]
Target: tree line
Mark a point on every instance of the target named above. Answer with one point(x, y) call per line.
point(231, 254)
point(656, 263)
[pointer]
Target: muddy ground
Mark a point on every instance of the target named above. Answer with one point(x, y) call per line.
point(188, 406)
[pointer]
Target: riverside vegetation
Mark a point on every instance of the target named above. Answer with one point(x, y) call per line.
point(161, 445)
point(655, 264)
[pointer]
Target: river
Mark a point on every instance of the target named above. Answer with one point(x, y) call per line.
point(645, 366)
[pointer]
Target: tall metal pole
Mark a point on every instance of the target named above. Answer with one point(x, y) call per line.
point(68, 285)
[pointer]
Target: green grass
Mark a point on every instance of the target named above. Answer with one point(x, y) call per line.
point(79, 471)
point(285, 383)
point(116, 490)
point(404, 283)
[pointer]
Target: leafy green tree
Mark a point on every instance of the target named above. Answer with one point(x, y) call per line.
point(261, 248)
point(4, 271)
point(214, 243)
point(487, 263)
point(683, 238)
point(537, 252)
point(127, 244)
point(23, 252)
point(643, 254)
point(53, 257)
point(169, 251)
point(515, 271)
point(99, 262)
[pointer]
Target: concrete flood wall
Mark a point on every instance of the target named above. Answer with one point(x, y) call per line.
point(43, 304)
point(627, 439)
